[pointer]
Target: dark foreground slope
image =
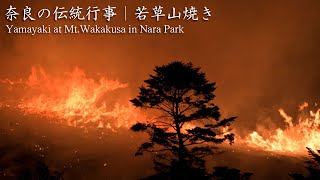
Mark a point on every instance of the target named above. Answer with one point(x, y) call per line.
point(103, 154)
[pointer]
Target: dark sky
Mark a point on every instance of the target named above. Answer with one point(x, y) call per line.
point(262, 55)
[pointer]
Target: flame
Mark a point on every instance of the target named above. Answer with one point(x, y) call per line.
point(294, 138)
point(76, 99)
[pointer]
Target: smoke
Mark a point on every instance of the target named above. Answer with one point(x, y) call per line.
point(263, 55)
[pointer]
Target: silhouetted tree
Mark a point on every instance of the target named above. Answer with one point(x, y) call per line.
point(183, 96)
point(313, 166)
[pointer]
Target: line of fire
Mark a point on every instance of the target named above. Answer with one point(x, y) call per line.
point(181, 90)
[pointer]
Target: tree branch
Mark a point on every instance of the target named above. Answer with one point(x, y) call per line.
point(165, 123)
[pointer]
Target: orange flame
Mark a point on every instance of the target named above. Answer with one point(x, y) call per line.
point(80, 101)
point(77, 99)
point(295, 138)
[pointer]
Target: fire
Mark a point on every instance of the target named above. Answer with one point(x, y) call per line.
point(294, 138)
point(76, 99)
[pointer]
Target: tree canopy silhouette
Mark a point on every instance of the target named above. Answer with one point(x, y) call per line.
point(313, 166)
point(189, 122)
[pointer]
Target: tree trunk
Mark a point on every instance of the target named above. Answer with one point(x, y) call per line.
point(182, 148)
point(181, 152)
